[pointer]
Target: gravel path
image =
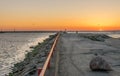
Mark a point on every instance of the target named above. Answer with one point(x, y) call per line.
point(75, 53)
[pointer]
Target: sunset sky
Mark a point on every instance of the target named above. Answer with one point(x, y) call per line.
point(60, 14)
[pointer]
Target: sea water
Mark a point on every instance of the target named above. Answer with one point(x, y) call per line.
point(14, 46)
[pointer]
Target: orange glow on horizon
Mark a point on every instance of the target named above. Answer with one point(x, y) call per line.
point(63, 27)
point(96, 15)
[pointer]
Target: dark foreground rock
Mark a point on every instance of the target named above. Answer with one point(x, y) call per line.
point(99, 64)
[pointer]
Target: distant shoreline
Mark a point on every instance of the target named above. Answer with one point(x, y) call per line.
point(28, 31)
point(51, 31)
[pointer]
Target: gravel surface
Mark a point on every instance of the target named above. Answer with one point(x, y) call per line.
point(77, 50)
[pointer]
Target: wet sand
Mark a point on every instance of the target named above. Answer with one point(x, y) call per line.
point(75, 52)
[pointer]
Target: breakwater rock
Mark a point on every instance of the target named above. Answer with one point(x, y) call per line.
point(33, 59)
point(96, 37)
point(99, 64)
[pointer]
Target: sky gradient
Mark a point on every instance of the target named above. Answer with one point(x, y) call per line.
point(60, 14)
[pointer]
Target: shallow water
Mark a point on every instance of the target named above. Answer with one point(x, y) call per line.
point(114, 35)
point(14, 46)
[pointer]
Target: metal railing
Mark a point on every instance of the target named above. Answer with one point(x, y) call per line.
point(41, 71)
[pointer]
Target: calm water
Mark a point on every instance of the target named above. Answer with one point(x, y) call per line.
point(117, 35)
point(14, 46)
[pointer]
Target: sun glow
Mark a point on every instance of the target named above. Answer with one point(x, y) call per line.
point(98, 15)
point(101, 29)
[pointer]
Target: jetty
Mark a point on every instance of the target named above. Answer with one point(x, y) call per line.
point(71, 53)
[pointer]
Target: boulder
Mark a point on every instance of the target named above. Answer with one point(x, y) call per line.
point(99, 64)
